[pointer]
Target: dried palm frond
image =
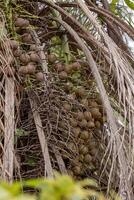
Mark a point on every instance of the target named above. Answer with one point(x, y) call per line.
point(7, 99)
point(123, 71)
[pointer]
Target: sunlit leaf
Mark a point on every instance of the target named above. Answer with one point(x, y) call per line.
point(130, 4)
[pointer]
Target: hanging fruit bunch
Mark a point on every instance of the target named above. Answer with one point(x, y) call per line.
point(29, 69)
point(72, 113)
point(86, 115)
point(24, 50)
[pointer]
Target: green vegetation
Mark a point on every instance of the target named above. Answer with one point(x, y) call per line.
point(60, 188)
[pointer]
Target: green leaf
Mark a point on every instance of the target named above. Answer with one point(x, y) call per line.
point(60, 187)
point(34, 183)
point(130, 4)
point(13, 189)
point(4, 194)
point(20, 132)
point(31, 162)
point(88, 182)
point(23, 197)
point(76, 75)
point(56, 40)
point(113, 5)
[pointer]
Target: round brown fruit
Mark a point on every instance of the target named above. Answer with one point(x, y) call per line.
point(76, 131)
point(73, 122)
point(77, 170)
point(14, 44)
point(68, 69)
point(24, 58)
point(39, 76)
point(83, 123)
point(31, 67)
point(84, 102)
point(96, 113)
point(87, 158)
point(52, 58)
point(34, 57)
point(93, 151)
point(71, 146)
point(59, 67)
point(83, 149)
point(80, 116)
point(76, 66)
point(27, 38)
point(63, 75)
point(23, 70)
point(87, 115)
point(97, 124)
point(67, 106)
point(81, 141)
point(93, 104)
point(84, 135)
point(90, 124)
point(76, 162)
point(17, 53)
point(80, 91)
point(20, 22)
point(92, 145)
point(81, 157)
point(68, 86)
point(62, 124)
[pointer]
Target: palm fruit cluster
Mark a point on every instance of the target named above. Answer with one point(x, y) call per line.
point(24, 52)
point(84, 109)
point(85, 119)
